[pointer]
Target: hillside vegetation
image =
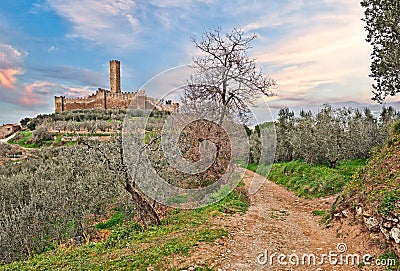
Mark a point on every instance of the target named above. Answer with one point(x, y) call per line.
point(330, 135)
point(63, 195)
point(130, 247)
point(374, 192)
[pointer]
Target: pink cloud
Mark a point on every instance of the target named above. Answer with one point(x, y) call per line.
point(29, 97)
point(42, 92)
point(7, 77)
point(10, 60)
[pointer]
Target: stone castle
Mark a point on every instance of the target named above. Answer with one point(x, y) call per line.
point(114, 98)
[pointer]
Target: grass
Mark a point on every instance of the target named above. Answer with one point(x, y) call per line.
point(319, 212)
point(116, 219)
point(21, 139)
point(390, 260)
point(324, 214)
point(129, 247)
point(311, 181)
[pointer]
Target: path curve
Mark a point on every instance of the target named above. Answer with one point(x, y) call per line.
point(5, 140)
point(278, 222)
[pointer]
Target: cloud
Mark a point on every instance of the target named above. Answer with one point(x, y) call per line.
point(106, 21)
point(42, 92)
point(7, 77)
point(186, 4)
point(52, 48)
point(10, 62)
point(9, 56)
point(278, 14)
point(79, 75)
point(38, 8)
point(324, 57)
point(29, 97)
point(125, 24)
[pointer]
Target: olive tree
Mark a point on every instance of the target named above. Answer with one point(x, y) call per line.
point(382, 19)
point(52, 197)
point(284, 124)
point(330, 135)
point(111, 155)
point(41, 134)
point(4, 149)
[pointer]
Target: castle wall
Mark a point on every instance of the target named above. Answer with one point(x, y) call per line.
point(154, 104)
point(97, 100)
point(104, 99)
point(74, 104)
point(119, 100)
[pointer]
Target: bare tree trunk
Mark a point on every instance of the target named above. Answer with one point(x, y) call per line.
point(333, 163)
point(146, 212)
point(223, 114)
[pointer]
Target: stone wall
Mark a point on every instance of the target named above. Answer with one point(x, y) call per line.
point(121, 100)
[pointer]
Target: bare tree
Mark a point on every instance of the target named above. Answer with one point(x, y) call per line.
point(226, 78)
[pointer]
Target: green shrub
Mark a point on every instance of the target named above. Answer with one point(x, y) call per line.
point(130, 247)
point(40, 135)
point(389, 201)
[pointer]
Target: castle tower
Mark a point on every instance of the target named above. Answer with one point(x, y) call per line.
point(115, 76)
point(59, 103)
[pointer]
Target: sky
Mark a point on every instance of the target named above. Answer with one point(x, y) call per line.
point(314, 49)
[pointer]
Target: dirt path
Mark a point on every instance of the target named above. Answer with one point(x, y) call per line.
point(279, 222)
point(5, 140)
